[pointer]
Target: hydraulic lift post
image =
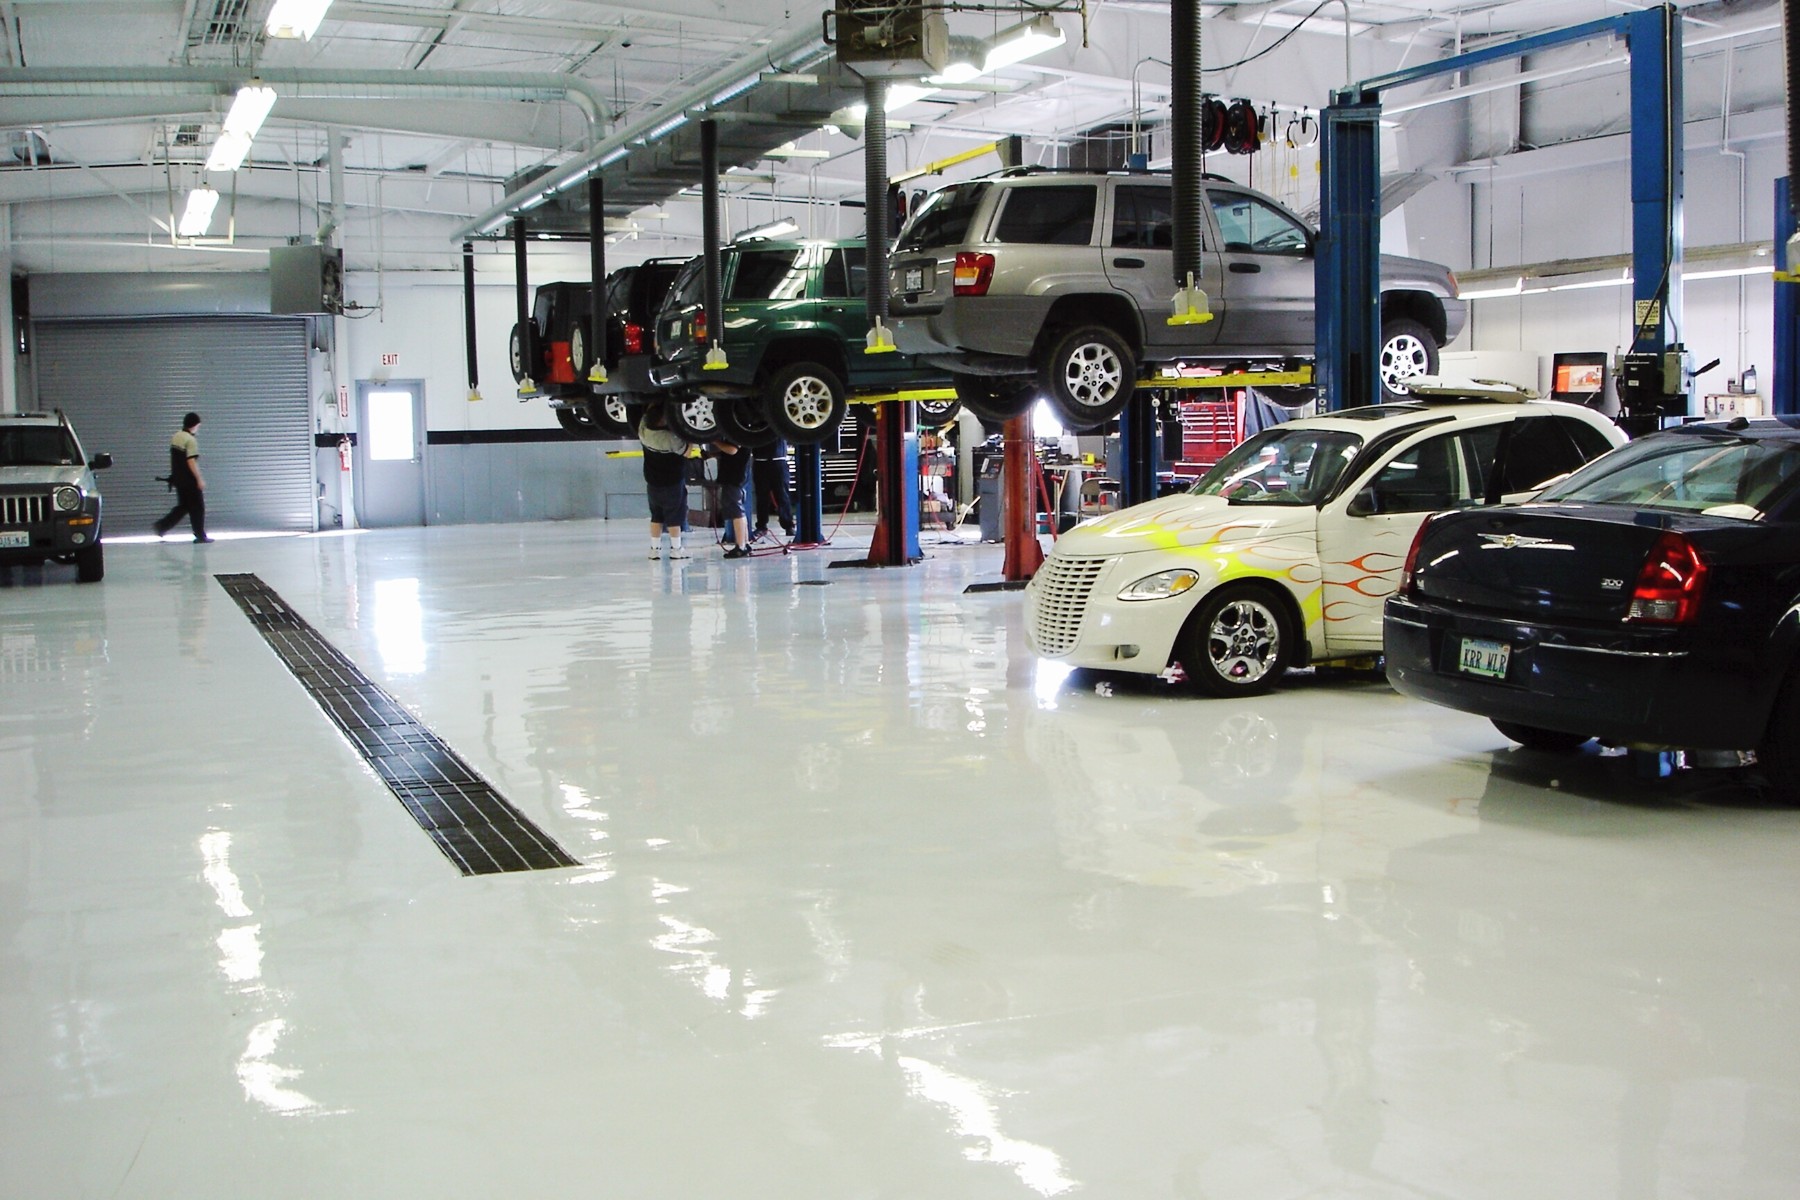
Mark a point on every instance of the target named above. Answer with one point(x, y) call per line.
point(1785, 399)
point(1024, 555)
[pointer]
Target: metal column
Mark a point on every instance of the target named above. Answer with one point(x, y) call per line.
point(1347, 269)
point(1018, 514)
point(1137, 447)
point(809, 511)
point(1785, 399)
point(1654, 38)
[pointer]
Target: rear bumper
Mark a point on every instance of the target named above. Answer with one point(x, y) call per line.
point(981, 329)
point(630, 376)
point(1648, 687)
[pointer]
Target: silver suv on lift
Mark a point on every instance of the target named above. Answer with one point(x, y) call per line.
point(49, 499)
point(1062, 283)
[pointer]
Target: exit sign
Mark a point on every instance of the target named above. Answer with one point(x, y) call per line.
point(388, 360)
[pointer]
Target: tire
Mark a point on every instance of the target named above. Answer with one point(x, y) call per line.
point(1550, 741)
point(90, 564)
point(742, 423)
point(515, 355)
point(613, 416)
point(804, 402)
point(694, 418)
point(935, 414)
point(1089, 376)
point(579, 359)
point(1237, 642)
point(576, 422)
point(1407, 349)
point(1778, 757)
point(995, 398)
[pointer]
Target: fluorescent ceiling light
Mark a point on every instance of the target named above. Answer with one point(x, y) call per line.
point(789, 150)
point(1021, 42)
point(198, 214)
point(1765, 269)
point(249, 109)
point(1518, 286)
point(1619, 280)
point(777, 228)
point(229, 152)
point(295, 18)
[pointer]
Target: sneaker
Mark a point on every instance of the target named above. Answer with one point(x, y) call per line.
point(656, 556)
point(679, 552)
point(738, 552)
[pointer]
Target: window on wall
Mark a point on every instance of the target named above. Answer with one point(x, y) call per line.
point(391, 434)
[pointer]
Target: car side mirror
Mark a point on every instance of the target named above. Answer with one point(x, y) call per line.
point(100, 462)
point(1363, 503)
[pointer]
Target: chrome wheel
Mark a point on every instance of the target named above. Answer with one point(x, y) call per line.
point(808, 403)
point(1243, 642)
point(1406, 350)
point(1093, 375)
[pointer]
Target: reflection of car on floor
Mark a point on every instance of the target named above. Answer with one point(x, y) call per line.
point(1281, 555)
point(1649, 601)
point(49, 499)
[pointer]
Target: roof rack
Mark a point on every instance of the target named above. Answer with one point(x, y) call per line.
point(1122, 172)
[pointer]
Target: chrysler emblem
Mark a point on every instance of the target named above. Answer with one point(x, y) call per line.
point(1509, 541)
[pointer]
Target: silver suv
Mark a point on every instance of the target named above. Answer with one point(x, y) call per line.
point(1063, 282)
point(49, 501)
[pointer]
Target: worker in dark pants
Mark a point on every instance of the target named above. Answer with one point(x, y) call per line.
point(184, 477)
point(769, 475)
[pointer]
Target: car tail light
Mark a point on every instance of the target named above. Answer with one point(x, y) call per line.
point(1409, 579)
point(700, 327)
point(974, 272)
point(634, 339)
point(1671, 583)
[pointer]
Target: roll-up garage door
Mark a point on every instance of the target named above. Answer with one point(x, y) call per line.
point(126, 384)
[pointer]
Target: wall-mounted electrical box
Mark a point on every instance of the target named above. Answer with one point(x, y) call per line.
point(306, 279)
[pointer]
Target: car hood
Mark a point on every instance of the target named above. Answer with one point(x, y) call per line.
point(36, 477)
point(1183, 523)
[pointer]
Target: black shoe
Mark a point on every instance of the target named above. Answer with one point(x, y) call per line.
point(161, 529)
point(738, 552)
point(203, 539)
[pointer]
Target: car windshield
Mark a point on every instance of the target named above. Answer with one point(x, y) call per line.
point(1718, 475)
point(37, 446)
point(1282, 465)
point(942, 218)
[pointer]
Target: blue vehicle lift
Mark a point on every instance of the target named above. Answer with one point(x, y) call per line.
point(1786, 398)
point(1348, 263)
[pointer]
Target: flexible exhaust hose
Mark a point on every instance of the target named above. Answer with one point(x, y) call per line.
point(1185, 102)
point(875, 197)
point(709, 230)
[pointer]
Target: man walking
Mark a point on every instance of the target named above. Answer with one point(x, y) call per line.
point(184, 477)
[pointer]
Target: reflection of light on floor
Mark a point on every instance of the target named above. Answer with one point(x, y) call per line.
point(974, 1115)
point(263, 1079)
point(1048, 680)
point(399, 626)
point(177, 539)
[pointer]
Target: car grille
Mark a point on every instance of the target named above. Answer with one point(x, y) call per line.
point(1062, 586)
point(24, 510)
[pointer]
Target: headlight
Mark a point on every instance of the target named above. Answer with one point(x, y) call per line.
point(67, 499)
point(1161, 585)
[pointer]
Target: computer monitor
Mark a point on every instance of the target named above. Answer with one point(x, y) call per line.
point(1580, 377)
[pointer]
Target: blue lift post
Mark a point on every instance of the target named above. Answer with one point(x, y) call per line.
point(1785, 400)
point(1349, 244)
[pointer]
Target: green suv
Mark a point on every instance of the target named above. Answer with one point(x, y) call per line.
point(795, 334)
point(49, 500)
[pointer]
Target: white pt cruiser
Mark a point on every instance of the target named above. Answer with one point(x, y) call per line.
point(1282, 554)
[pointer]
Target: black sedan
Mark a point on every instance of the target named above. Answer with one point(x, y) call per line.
point(1651, 600)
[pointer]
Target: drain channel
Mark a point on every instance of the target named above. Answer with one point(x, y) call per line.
point(470, 822)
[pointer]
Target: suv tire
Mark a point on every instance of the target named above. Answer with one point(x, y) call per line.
point(1407, 349)
point(1089, 376)
point(695, 418)
point(576, 422)
point(995, 397)
point(90, 564)
point(579, 358)
point(742, 423)
point(804, 402)
point(935, 414)
point(515, 354)
point(613, 416)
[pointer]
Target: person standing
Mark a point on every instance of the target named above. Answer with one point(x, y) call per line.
point(734, 471)
point(665, 480)
point(769, 472)
point(185, 478)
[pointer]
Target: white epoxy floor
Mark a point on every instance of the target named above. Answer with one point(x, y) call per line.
point(871, 907)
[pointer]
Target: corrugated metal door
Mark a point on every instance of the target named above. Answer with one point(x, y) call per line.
point(126, 383)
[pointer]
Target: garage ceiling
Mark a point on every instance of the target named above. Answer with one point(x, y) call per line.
point(437, 110)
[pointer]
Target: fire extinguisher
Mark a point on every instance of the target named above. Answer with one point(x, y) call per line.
point(343, 454)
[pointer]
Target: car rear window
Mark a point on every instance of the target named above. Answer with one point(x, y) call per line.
point(942, 218)
point(1721, 476)
point(774, 274)
point(1061, 215)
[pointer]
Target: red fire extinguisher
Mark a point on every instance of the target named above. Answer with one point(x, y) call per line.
point(343, 454)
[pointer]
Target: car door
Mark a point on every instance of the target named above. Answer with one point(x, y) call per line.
point(1365, 532)
point(1140, 262)
point(1267, 288)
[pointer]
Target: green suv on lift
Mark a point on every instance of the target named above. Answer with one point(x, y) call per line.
point(795, 332)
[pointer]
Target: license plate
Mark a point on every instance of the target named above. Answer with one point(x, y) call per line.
point(915, 280)
point(1482, 657)
point(15, 537)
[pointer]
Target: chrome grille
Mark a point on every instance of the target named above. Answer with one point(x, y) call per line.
point(24, 510)
point(1061, 590)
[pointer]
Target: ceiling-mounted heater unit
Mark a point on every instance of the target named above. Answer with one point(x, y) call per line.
point(884, 40)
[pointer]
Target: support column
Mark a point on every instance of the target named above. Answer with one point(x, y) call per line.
point(1024, 554)
point(809, 483)
point(1347, 263)
point(1137, 447)
point(1785, 398)
point(1657, 150)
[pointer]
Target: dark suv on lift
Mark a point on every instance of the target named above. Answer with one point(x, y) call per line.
point(634, 295)
point(795, 338)
point(1062, 283)
point(563, 352)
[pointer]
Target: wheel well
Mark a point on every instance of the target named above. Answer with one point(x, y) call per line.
point(1297, 654)
point(1111, 310)
point(1422, 307)
point(787, 351)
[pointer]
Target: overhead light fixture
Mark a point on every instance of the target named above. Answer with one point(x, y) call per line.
point(967, 54)
point(198, 215)
point(296, 18)
point(612, 156)
point(789, 150)
point(737, 89)
point(668, 126)
point(1517, 286)
point(1732, 273)
point(1021, 42)
point(249, 109)
point(773, 229)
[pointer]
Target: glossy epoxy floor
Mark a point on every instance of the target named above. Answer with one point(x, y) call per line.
point(870, 906)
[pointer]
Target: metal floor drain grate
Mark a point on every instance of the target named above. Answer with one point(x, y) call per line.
point(470, 822)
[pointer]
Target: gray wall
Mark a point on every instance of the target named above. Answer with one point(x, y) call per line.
point(488, 483)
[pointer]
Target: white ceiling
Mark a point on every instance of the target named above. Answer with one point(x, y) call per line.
point(437, 103)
